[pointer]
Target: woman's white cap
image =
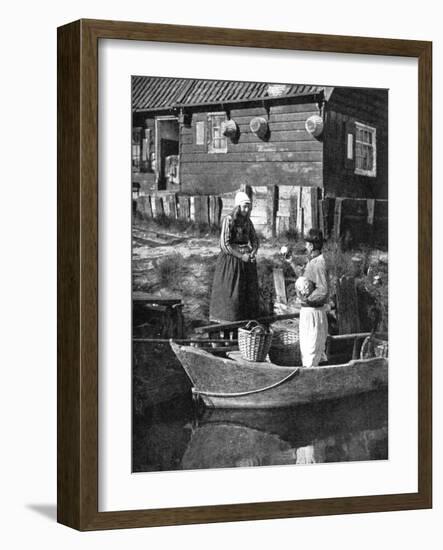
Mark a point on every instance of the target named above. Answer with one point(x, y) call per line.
point(241, 198)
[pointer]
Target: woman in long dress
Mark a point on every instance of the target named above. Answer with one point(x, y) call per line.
point(235, 294)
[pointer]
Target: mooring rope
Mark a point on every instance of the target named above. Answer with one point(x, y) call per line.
point(250, 392)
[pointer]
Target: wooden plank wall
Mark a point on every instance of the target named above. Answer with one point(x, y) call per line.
point(297, 210)
point(355, 220)
point(289, 156)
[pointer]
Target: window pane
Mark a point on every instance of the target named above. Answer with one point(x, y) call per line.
point(367, 158)
point(365, 149)
point(218, 141)
point(136, 156)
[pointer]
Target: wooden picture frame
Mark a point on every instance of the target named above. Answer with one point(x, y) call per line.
point(78, 274)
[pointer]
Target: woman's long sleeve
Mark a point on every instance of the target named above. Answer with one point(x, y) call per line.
point(253, 238)
point(225, 234)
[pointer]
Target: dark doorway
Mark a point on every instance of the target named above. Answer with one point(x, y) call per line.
point(167, 145)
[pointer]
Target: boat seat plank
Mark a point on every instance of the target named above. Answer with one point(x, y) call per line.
point(217, 327)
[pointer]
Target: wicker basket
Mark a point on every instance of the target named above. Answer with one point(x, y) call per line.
point(285, 347)
point(254, 341)
point(285, 356)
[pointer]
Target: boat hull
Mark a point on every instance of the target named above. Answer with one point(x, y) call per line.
point(234, 383)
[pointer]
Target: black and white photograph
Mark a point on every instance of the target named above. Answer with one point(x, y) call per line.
point(259, 274)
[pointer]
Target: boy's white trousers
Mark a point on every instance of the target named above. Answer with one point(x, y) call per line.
point(313, 333)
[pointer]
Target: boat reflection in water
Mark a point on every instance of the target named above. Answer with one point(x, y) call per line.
point(176, 438)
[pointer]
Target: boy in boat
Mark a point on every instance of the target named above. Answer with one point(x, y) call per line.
point(313, 327)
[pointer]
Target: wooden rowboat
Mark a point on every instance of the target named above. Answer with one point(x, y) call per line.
point(235, 383)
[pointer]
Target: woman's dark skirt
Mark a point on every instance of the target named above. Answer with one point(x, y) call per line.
point(235, 290)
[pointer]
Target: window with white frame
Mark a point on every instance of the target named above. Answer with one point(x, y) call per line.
point(217, 142)
point(365, 150)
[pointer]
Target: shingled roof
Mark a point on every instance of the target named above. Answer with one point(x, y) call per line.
point(150, 93)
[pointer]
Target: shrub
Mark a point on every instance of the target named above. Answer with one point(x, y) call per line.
point(377, 286)
point(372, 293)
point(265, 268)
point(338, 262)
point(170, 270)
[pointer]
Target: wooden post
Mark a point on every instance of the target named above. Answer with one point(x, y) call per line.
point(347, 306)
point(337, 218)
point(183, 207)
point(173, 206)
point(144, 206)
point(314, 206)
point(166, 206)
point(204, 206)
point(201, 210)
point(215, 209)
point(283, 210)
point(321, 219)
point(309, 204)
point(271, 208)
point(300, 216)
point(169, 206)
point(148, 206)
point(293, 205)
point(301, 222)
point(158, 201)
point(324, 216)
point(212, 203)
point(280, 286)
point(218, 210)
point(197, 208)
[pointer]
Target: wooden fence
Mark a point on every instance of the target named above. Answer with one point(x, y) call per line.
point(278, 210)
point(206, 209)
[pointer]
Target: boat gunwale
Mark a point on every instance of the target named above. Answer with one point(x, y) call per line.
point(268, 364)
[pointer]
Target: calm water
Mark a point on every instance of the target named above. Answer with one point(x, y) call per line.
point(177, 436)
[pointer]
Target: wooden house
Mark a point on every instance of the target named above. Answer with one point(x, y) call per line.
point(312, 154)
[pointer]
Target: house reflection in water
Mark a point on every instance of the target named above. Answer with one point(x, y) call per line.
point(173, 438)
point(365, 445)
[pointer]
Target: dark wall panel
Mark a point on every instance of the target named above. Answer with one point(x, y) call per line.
point(347, 106)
